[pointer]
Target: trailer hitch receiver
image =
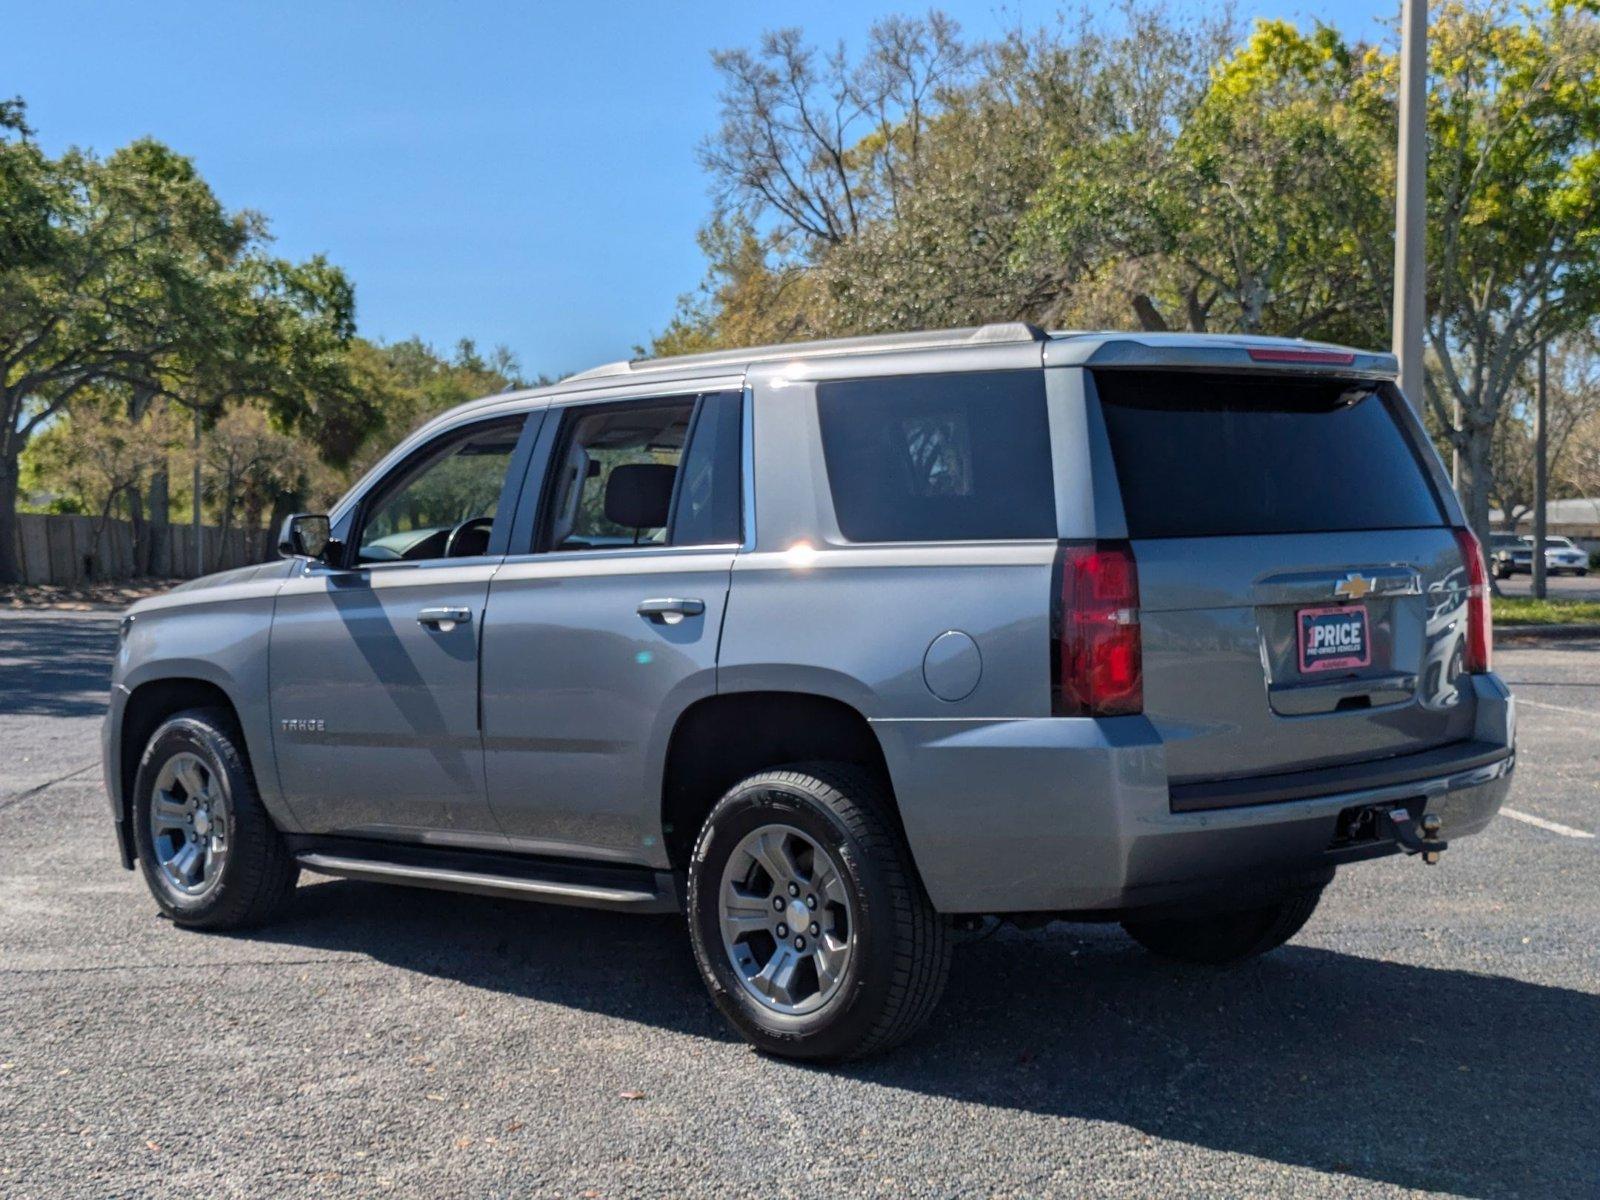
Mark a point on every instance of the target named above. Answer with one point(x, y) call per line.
point(1398, 823)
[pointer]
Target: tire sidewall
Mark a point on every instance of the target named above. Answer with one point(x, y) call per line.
point(186, 733)
point(835, 1028)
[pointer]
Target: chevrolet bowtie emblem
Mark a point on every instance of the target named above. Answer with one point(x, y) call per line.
point(1354, 586)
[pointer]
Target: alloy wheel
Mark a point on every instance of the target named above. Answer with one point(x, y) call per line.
point(786, 918)
point(190, 822)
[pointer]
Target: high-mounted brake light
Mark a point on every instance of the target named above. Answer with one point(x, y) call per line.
point(1096, 662)
point(1479, 649)
point(1327, 358)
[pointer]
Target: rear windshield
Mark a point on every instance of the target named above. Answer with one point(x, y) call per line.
point(1210, 455)
point(920, 458)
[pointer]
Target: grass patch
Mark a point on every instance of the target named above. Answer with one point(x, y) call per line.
point(1525, 610)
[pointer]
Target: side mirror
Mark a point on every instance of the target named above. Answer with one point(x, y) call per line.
point(304, 535)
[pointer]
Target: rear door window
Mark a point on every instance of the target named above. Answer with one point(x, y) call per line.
point(919, 458)
point(637, 474)
point(1215, 455)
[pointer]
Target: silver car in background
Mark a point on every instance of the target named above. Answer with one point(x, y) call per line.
point(842, 649)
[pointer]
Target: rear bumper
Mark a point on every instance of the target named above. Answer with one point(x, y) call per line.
point(1076, 816)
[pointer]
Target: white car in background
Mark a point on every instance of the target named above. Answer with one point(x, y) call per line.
point(1560, 554)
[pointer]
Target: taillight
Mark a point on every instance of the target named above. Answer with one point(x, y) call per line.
point(1096, 667)
point(1480, 624)
point(1279, 354)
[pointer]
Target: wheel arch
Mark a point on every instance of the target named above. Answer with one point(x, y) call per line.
point(147, 706)
point(724, 738)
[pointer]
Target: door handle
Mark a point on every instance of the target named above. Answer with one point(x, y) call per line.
point(669, 610)
point(444, 619)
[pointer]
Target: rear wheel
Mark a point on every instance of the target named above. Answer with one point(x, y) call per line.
point(1228, 937)
point(809, 925)
point(210, 853)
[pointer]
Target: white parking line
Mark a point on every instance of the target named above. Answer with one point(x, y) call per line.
point(1552, 826)
point(1582, 712)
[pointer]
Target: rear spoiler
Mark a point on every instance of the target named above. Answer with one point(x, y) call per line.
point(1170, 352)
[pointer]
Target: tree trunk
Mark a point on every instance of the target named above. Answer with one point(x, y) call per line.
point(283, 504)
point(1478, 478)
point(10, 564)
point(161, 526)
point(253, 539)
point(141, 530)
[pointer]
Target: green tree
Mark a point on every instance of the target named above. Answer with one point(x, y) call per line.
point(1513, 211)
point(108, 264)
point(127, 275)
point(1261, 210)
point(98, 458)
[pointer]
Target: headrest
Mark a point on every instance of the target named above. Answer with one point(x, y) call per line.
point(639, 495)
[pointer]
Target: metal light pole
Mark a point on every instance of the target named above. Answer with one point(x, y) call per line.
point(1541, 474)
point(1411, 200)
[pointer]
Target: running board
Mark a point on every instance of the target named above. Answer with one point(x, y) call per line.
point(628, 889)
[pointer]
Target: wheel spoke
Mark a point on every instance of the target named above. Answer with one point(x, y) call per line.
point(742, 915)
point(827, 882)
point(831, 957)
point(777, 977)
point(168, 813)
point(193, 780)
point(772, 852)
point(185, 863)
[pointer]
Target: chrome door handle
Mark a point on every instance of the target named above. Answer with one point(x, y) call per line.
point(444, 619)
point(669, 610)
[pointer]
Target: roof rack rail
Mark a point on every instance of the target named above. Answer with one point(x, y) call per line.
point(1000, 333)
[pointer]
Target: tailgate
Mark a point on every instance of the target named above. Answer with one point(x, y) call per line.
point(1302, 596)
point(1232, 684)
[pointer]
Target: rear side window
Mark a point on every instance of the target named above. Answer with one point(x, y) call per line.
point(1201, 455)
point(706, 508)
point(921, 458)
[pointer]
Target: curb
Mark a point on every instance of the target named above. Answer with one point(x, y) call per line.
point(1545, 633)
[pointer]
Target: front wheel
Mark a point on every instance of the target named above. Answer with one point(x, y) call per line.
point(210, 853)
point(1227, 937)
point(809, 924)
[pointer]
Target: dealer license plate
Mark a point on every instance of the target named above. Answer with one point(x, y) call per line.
point(1334, 638)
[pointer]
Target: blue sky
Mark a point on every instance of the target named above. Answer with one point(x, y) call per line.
point(520, 173)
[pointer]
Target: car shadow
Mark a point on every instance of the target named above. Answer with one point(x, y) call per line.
point(1417, 1076)
point(55, 667)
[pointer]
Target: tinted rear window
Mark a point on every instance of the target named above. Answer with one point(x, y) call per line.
point(920, 458)
point(1202, 455)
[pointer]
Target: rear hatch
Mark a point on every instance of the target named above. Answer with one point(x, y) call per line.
point(1303, 599)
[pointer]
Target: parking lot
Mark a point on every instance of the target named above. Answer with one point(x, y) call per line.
point(1432, 1028)
point(1557, 587)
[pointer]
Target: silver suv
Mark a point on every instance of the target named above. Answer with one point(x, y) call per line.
point(843, 649)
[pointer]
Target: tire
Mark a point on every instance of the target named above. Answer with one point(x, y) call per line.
point(898, 947)
point(244, 874)
point(1230, 937)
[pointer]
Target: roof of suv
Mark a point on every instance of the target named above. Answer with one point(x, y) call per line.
point(1087, 348)
point(1099, 349)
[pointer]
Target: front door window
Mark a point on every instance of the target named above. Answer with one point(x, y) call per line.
point(444, 505)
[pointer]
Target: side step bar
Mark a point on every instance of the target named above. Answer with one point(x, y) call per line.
point(551, 881)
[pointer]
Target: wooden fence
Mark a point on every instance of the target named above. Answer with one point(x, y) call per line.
point(64, 550)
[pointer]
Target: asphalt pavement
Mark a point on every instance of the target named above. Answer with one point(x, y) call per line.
point(1557, 587)
point(1432, 1029)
